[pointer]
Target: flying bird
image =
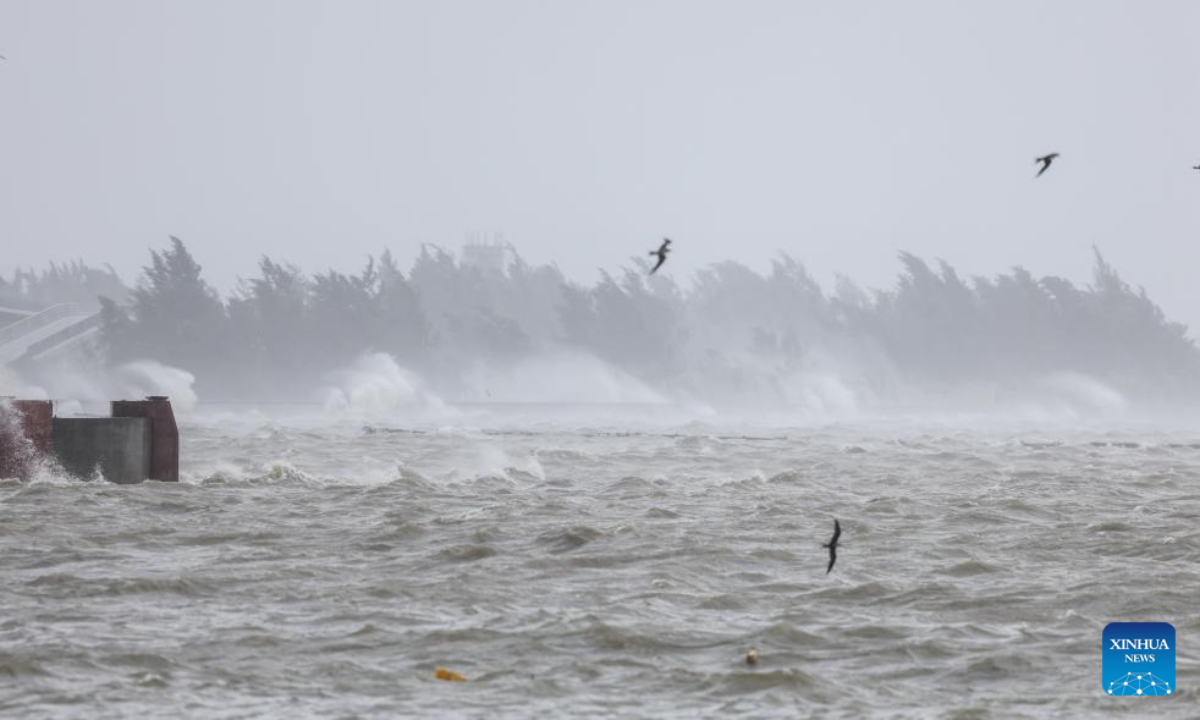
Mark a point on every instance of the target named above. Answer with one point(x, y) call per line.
point(661, 252)
point(832, 544)
point(1045, 160)
point(1196, 168)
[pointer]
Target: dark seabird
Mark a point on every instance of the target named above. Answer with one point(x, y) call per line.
point(661, 252)
point(832, 544)
point(1045, 160)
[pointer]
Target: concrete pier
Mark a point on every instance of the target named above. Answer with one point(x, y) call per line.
point(139, 442)
point(164, 438)
point(118, 447)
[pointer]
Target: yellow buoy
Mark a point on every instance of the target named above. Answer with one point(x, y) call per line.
point(448, 675)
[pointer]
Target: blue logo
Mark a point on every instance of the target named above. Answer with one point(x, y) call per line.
point(1139, 658)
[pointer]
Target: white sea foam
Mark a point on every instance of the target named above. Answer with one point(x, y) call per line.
point(562, 376)
point(88, 390)
point(375, 387)
point(148, 377)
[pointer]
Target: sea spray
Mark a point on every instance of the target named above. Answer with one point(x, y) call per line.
point(77, 389)
point(1086, 392)
point(17, 456)
point(149, 377)
point(375, 387)
point(561, 376)
point(820, 393)
point(10, 382)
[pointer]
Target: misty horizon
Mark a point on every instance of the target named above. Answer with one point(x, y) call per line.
point(484, 325)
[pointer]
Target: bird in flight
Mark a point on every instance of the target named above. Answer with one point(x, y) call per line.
point(832, 544)
point(1196, 168)
point(661, 252)
point(1045, 160)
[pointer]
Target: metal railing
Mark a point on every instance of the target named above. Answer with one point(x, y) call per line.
point(38, 321)
point(86, 323)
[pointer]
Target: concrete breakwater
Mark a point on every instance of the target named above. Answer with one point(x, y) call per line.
point(140, 441)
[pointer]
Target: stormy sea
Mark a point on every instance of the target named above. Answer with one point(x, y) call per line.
point(603, 562)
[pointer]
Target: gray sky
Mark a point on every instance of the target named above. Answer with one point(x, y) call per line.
point(842, 132)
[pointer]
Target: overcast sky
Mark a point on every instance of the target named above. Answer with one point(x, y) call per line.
point(841, 132)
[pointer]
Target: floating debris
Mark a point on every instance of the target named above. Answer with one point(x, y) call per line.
point(752, 657)
point(448, 675)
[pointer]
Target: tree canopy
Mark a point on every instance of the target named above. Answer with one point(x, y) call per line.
point(733, 333)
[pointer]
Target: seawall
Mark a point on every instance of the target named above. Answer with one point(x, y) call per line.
point(139, 442)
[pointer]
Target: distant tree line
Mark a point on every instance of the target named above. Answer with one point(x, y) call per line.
point(72, 282)
point(734, 334)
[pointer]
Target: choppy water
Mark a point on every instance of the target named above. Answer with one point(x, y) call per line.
point(325, 570)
